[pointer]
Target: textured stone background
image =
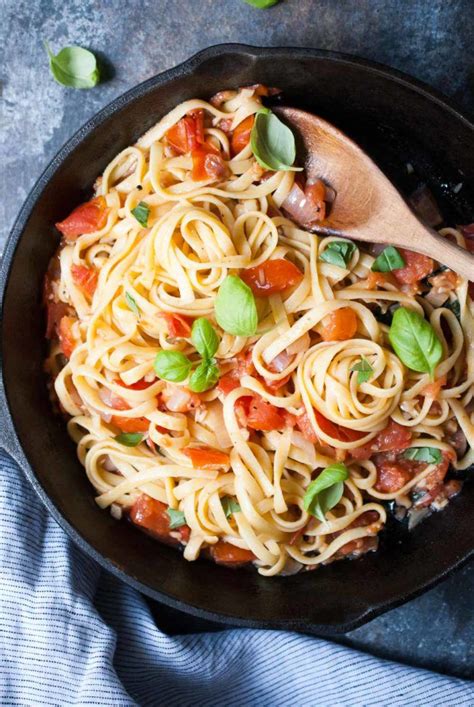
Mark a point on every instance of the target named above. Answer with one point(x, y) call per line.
point(431, 39)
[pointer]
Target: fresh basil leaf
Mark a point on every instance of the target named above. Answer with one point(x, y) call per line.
point(141, 213)
point(430, 455)
point(74, 67)
point(338, 253)
point(325, 491)
point(235, 308)
point(132, 304)
point(129, 439)
point(272, 142)
point(389, 259)
point(230, 506)
point(414, 341)
point(454, 306)
point(205, 376)
point(204, 337)
point(261, 4)
point(177, 518)
point(364, 370)
point(172, 366)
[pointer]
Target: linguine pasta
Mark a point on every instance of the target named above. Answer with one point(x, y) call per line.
point(226, 471)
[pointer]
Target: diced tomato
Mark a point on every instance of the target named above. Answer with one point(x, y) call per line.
point(339, 325)
point(228, 383)
point(271, 276)
point(131, 424)
point(207, 163)
point(316, 196)
point(375, 279)
point(207, 458)
point(179, 326)
point(391, 477)
point(416, 268)
point(85, 278)
point(67, 341)
point(151, 514)
point(264, 416)
point(141, 384)
point(243, 367)
point(392, 437)
point(241, 135)
point(306, 428)
point(227, 554)
point(273, 385)
point(86, 218)
point(432, 390)
point(342, 434)
point(188, 133)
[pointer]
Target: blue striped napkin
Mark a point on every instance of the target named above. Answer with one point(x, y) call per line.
point(71, 634)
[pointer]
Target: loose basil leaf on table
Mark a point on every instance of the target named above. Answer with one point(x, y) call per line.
point(141, 213)
point(414, 341)
point(172, 366)
point(204, 337)
point(364, 370)
point(325, 491)
point(272, 142)
point(338, 253)
point(230, 506)
point(389, 259)
point(177, 518)
point(132, 304)
point(129, 439)
point(205, 376)
point(235, 308)
point(74, 67)
point(430, 455)
point(261, 4)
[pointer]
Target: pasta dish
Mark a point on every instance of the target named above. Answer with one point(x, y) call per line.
point(237, 385)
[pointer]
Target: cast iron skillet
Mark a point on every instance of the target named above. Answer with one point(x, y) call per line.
point(397, 120)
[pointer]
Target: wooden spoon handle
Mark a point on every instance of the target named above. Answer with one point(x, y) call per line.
point(444, 251)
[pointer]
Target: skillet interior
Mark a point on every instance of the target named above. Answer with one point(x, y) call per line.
point(397, 121)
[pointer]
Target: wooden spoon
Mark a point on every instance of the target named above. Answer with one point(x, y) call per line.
point(367, 205)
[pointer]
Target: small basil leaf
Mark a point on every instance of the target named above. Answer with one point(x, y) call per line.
point(430, 455)
point(205, 376)
point(261, 4)
point(132, 304)
point(364, 370)
point(338, 253)
point(230, 506)
point(129, 439)
point(455, 308)
point(141, 213)
point(74, 67)
point(318, 504)
point(414, 341)
point(204, 337)
point(235, 308)
point(272, 142)
point(172, 366)
point(177, 518)
point(388, 260)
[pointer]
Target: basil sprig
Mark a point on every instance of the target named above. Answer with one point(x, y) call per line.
point(338, 253)
point(364, 370)
point(230, 506)
point(272, 142)
point(141, 213)
point(177, 518)
point(175, 367)
point(235, 308)
point(414, 341)
point(326, 491)
point(132, 304)
point(389, 259)
point(74, 67)
point(129, 439)
point(430, 455)
point(261, 4)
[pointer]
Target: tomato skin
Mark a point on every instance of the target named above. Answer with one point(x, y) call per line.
point(67, 341)
point(207, 163)
point(131, 424)
point(150, 514)
point(375, 279)
point(339, 325)
point(86, 218)
point(316, 195)
point(263, 416)
point(227, 554)
point(391, 477)
point(392, 437)
point(432, 390)
point(416, 268)
point(271, 276)
point(207, 458)
point(188, 133)
point(179, 326)
point(241, 135)
point(306, 428)
point(85, 278)
point(141, 384)
point(342, 434)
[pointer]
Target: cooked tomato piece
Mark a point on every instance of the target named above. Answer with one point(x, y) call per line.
point(392, 437)
point(432, 390)
point(264, 416)
point(141, 384)
point(131, 424)
point(67, 341)
point(208, 163)
point(241, 135)
point(416, 268)
point(188, 133)
point(273, 385)
point(343, 434)
point(339, 325)
point(271, 276)
point(243, 366)
point(179, 326)
point(306, 428)
point(316, 196)
point(207, 458)
point(391, 477)
point(85, 278)
point(86, 218)
point(151, 514)
point(375, 279)
point(228, 382)
point(227, 554)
